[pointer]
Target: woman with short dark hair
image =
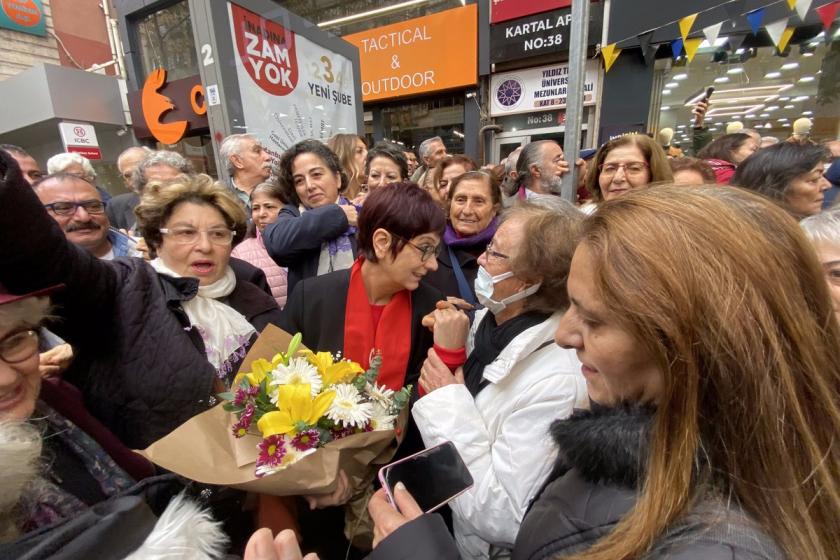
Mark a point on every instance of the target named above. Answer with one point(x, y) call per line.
point(315, 232)
point(726, 153)
point(386, 164)
point(789, 174)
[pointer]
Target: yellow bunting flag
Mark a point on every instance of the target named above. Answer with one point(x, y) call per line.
point(786, 35)
point(792, 4)
point(685, 25)
point(610, 54)
point(691, 46)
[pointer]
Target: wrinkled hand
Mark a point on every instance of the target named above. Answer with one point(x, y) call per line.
point(55, 360)
point(386, 517)
point(351, 213)
point(451, 327)
point(451, 303)
point(564, 167)
point(699, 112)
point(434, 374)
point(284, 547)
point(339, 496)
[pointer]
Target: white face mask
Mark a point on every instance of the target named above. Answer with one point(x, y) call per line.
point(484, 291)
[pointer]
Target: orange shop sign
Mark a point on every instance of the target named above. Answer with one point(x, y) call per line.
point(421, 55)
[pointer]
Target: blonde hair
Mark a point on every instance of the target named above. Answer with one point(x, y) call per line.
point(655, 157)
point(724, 291)
point(159, 201)
point(344, 146)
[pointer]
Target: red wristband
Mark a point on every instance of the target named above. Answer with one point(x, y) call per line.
point(452, 358)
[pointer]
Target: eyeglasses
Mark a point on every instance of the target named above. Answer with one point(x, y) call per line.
point(426, 251)
point(69, 208)
point(494, 254)
point(632, 168)
point(191, 236)
point(19, 347)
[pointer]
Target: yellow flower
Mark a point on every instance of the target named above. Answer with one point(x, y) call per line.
point(260, 368)
point(295, 404)
point(332, 372)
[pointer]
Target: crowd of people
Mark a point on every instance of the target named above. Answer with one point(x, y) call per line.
point(650, 371)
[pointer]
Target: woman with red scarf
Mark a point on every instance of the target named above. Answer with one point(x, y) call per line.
point(379, 303)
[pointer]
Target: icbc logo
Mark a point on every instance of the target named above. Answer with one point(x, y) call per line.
point(267, 50)
point(156, 106)
point(79, 131)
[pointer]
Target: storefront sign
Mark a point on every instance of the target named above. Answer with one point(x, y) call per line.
point(291, 88)
point(537, 89)
point(503, 10)
point(539, 34)
point(80, 138)
point(421, 55)
point(612, 131)
point(167, 111)
point(23, 15)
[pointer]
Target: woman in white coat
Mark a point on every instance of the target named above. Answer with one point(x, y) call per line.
point(493, 390)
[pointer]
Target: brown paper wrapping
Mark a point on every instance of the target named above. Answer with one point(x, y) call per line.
point(203, 448)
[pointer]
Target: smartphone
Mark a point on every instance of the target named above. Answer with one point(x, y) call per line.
point(709, 91)
point(433, 476)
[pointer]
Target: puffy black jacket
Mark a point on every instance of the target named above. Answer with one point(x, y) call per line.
point(141, 368)
point(600, 461)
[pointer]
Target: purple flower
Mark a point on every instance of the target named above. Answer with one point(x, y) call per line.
point(272, 450)
point(305, 440)
point(245, 419)
point(244, 395)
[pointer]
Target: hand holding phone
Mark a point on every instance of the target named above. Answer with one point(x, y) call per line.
point(433, 476)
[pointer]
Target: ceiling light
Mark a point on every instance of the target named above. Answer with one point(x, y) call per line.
point(801, 98)
point(786, 125)
point(807, 113)
point(750, 116)
point(771, 108)
point(768, 125)
point(721, 79)
point(719, 42)
point(806, 79)
point(665, 108)
point(764, 115)
point(771, 75)
point(807, 54)
point(739, 51)
point(671, 85)
point(666, 91)
point(790, 65)
point(789, 107)
point(371, 13)
point(783, 119)
point(737, 70)
point(681, 126)
point(679, 77)
point(784, 98)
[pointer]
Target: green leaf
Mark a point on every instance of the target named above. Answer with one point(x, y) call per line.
point(228, 396)
point(294, 344)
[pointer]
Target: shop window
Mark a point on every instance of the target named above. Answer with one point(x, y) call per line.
point(755, 85)
point(166, 41)
point(198, 150)
point(411, 123)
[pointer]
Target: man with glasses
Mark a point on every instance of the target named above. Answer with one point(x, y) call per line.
point(77, 207)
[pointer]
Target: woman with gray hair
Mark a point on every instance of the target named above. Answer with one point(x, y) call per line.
point(507, 378)
point(824, 232)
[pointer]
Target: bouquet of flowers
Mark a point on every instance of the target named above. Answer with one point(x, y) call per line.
point(292, 420)
point(300, 403)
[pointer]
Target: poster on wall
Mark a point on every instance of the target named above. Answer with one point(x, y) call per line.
point(537, 89)
point(26, 16)
point(291, 88)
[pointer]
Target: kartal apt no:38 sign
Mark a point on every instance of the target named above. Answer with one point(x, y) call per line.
point(291, 88)
point(537, 89)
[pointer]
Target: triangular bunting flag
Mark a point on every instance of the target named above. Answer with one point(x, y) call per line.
point(786, 35)
point(827, 14)
point(648, 50)
point(685, 25)
point(792, 4)
point(691, 46)
point(802, 7)
point(755, 18)
point(775, 30)
point(676, 47)
point(610, 54)
point(712, 33)
point(735, 42)
point(735, 9)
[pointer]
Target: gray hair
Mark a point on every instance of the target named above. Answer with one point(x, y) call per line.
point(155, 158)
point(509, 184)
point(232, 146)
point(530, 155)
point(60, 162)
point(29, 311)
point(128, 151)
point(426, 146)
point(824, 227)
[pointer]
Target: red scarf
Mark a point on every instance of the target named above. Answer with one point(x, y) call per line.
point(392, 337)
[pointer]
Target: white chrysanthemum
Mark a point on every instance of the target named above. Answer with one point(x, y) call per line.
point(299, 371)
point(380, 394)
point(380, 419)
point(347, 408)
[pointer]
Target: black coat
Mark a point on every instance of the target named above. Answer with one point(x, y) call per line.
point(120, 210)
point(294, 239)
point(593, 485)
point(142, 370)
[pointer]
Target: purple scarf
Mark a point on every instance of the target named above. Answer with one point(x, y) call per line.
point(452, 239)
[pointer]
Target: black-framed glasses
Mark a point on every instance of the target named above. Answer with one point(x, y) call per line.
point(190, 236)
point(494, 254)
point(19, 347)
point(66, 208)
point(426, 251)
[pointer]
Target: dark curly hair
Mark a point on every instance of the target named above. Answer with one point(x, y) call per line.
point(390, 151)
point(284, 174)
point(770, 171)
